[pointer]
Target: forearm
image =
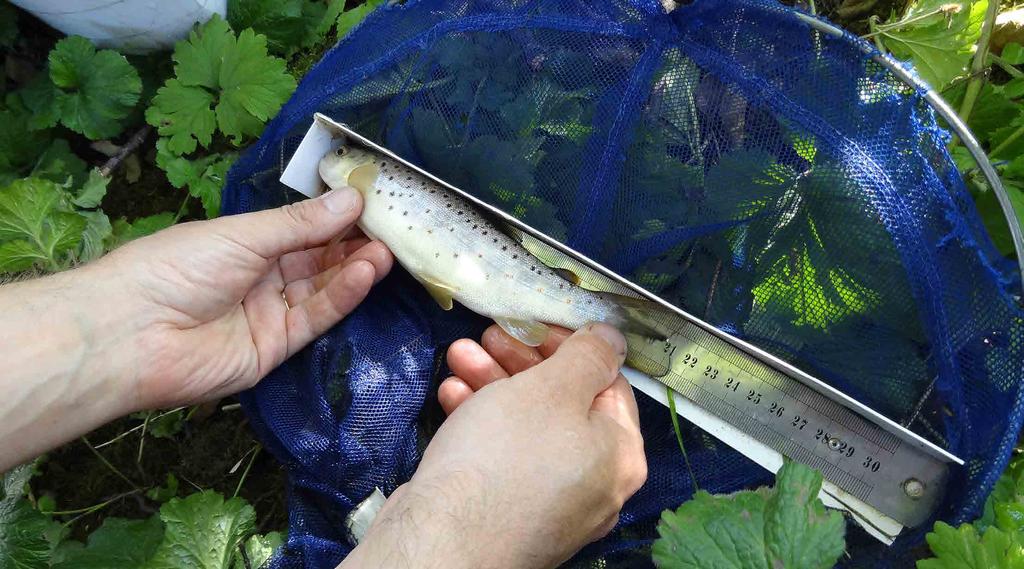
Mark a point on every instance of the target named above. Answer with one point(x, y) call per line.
point(60, 374)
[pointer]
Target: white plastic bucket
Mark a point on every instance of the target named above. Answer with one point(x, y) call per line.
point(133, 26)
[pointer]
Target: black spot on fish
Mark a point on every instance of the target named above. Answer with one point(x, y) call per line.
point(428, 211)
point(378, 191)
point(405, 213)
point(433, 191)
point(479, 255)
point(455, 256)
point(485, 232)
point(390, 207)
point(391, 178)
point(503, 247)
point(458, 212)
point(561, 286)
point(392, 194)
point(532, 268)
point(451, 229)
point(410, 228)
point(515, 256)
point(448, 205)
point(475, 226)
point(407, 178)
point(437, 255)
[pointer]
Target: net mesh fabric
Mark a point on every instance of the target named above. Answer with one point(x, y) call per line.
point(770, 178)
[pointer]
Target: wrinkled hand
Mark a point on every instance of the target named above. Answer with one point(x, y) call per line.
point(541, 449)
point(213, 306)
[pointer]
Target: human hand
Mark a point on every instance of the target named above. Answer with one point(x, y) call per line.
point(535, 460)
point(203, 301)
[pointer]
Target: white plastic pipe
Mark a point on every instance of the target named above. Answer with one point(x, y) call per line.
point(133, 26)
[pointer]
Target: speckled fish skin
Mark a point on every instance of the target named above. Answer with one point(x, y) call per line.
point(439, 238)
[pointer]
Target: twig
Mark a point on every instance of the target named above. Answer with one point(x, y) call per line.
point(142, 437)
point(978, 63)
point(136, 428)
point(94, 507)
point(129, 147)
point(110, 466)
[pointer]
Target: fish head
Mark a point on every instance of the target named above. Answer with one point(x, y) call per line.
point(337, 166)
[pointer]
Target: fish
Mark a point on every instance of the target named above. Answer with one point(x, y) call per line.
point(458, 254)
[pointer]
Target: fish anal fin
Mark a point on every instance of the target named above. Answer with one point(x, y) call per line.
point(639, 356)
point(440, 292)
point(363, 177)
point(529, 332)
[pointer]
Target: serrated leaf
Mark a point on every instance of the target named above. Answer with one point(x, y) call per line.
point(95, 236)
point(26, 535)
point(166, 492)
point(40, 96)
point(92, 192)
point(258, 549)
point(992, 111)
point(24, 207)
point(198, 59)
point(786, 526)
point(184, 114)
point(203, 531)
point(1014, 88)
point(20, 146)
point(204, 177)
point(330, 17)
point(95, 89)
point(938, 36)
point(116, 543)
point(1013, 53)
point(962, 548)
point(36, 225)
point(253, 86)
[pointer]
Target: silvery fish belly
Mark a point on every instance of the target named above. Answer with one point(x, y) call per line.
point(457, 254)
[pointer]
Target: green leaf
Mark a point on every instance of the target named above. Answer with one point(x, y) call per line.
point(222, 81)
point(1014, 88)
point(116, 543)
point(92, 192)
point(786, 526)
point(20, 146)
point(258, 549)
point(992, 214)
point(962, 548)
point(349, 19)
point(254, 86)
point(166, 492)
point(993, 111)
point(938, 36)
point(36, 224)
point(204, 177)
point(203, 531)
point(26, 535)
point(283, 22)
point(95, 236)
point(183, 114)
point(8, 24)
point(95, 89)
point(1013, 53)
point(124, 231)
point(330, 17)
point(58, 164)
point(40, 96)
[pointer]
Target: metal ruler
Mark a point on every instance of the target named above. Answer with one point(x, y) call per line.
point(883, 474)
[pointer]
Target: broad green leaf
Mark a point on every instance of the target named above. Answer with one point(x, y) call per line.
point(938, 36)
point(1013, 53)
point(1014, 88)
point(40, 96)
point(962, 548)
point(116, 543)
point(25, 206)
point(95, 236)
point(253, 86)
point(203, 531)
point(798, 530)
point(786, 526)
point(8, 24)
point(258, 549)
point(59, 164)
point(284, 22)
point(125, 231)
point(95, 89)
point(26, 535)
point(198, 59)
point(204, 177)
point(993, 111)
point(330, 17)
point(349, 19)
point(36, 224)
point(20, 255)
point(184, 114)
point(92, 192)
point(995, 220)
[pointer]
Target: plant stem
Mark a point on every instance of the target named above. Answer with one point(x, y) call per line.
point(136, 428)
point(110, 466)
point(978, 63)
point(142, 437)
point(131, 146)
point(875, 33)
point(94, 507)
point(1006, 66)
point(255, 451)
point(183, 208)
point(1008, 141)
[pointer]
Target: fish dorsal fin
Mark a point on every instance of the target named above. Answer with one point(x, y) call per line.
point(363, 177)
point(440, 292)
point(575, 273)
point(529, 332)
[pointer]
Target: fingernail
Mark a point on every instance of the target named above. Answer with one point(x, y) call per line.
point(339, 201)
point(614, 338)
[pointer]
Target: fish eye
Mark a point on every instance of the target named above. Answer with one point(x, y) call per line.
point(341, 151)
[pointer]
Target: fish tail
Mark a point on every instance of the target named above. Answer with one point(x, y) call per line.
point(645, 323)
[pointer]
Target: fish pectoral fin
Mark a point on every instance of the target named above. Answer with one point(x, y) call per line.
point(529, 332)
point(363, 177)
point(641, 357)
point(440, 292)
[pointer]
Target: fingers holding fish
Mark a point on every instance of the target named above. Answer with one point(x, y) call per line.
point(592, 357)
point(452, 393)
point(327, 306)
point(298, 289)
point(474, 364)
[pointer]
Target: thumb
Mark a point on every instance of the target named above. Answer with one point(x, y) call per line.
point(297, 226)
point(584, 365)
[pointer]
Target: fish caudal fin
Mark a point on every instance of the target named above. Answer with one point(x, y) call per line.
point(529, 332)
